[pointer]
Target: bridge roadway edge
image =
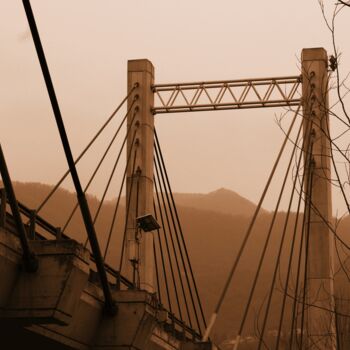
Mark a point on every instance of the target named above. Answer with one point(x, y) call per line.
point(59, 307)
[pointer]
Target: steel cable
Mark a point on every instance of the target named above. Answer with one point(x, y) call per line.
point(86, 148)
point(162, 259)
point(308, 154)
point(99, 165)
point(290, 255)
point(119, 197)
point(167, 245)
point(128, 206)
point(85, 211)
point(263, 253)
point(177, 239)
point(111, 177)
point(157, 274)
point(113, 170)
point(248, 232)
point(308, 200)
point(181, 232)
point(279, 251)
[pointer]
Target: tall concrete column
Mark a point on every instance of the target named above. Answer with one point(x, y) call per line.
point(139, 245)
point(320, 323)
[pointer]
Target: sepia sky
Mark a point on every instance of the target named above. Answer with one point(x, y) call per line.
point(87, 45)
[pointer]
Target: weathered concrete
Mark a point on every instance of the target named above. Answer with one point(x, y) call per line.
point(320, 292)
point(51, 294)
point(342, 302)
point(61, 306)
point(10, 261)
point(142, 329)
point(80, 333)
point(139, 262)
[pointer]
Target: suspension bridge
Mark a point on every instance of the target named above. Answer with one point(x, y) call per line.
point(58, 293)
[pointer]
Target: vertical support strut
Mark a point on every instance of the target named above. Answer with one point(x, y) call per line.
point(110, 305)
point(29, 258)
point(320, 325)
point(139, 245)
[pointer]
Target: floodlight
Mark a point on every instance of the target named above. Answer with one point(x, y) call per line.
point(147, 223)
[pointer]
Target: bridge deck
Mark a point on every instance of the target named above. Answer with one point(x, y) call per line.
point(61, 305)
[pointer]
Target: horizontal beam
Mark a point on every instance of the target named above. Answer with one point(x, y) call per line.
point(227, 94)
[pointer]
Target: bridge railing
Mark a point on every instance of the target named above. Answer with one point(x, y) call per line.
point(38, 228)
point(36, 221)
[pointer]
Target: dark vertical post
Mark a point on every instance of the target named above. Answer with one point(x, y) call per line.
point(84, 208)
point(3, 207)
point(29, 258)
point(32, 224)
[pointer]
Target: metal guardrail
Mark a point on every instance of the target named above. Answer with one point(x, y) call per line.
point(36, 220)
point(178, 327)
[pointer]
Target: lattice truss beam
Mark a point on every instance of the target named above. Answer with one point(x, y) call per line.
point(227, 94)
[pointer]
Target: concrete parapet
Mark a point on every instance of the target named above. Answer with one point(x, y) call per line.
point(135, 333)
point(61, 306)
point(136, 325)
point(51, 294)
point(80, 333)
point(10, 260)
point(197, 346)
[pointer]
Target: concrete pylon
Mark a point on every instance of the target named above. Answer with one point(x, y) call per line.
point(320, 332)
point(139, 264)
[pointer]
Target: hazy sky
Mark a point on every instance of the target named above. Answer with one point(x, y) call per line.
point(88, 43)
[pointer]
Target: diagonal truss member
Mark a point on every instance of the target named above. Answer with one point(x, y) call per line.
point(227, 94)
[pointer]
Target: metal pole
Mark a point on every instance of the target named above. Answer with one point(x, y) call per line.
point(84, 208)
point(31, 262)
point(3, 207)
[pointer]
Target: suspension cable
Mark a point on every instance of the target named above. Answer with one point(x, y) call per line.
point(119, 197)
point(128, 206)
point(248, 232)
point(137, 231)
point(158, 165)
point(277, 264)
point(308, 201)
point(263, 253)
point(291, 251)
point(167, 244)
point(308, 154)
point(85, 211)
point(306, 220)
point(112, 173)
point(163, 262)
point(167, 192)
point(30, 260)
point(294, 318)
point(181, 232)
point(157, 274)
point(54, 189)
point(98, 166)
point(110, 178)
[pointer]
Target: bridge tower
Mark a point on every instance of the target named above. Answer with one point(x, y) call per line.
point(320, 322)
point(139, 255)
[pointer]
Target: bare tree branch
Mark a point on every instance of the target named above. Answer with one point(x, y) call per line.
point(344, 3)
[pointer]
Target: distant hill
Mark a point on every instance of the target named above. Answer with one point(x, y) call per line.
point(221, 201)
point(213, 225)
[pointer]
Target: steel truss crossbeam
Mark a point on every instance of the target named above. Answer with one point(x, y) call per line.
point(227, 94)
